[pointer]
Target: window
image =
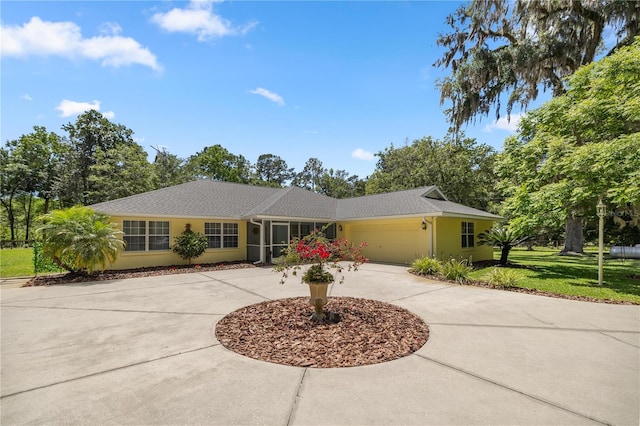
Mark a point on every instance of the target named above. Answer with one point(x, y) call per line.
point(213, 231)
point(158, 235)
point(467, 235)
point(221, 235)
point(141, 235)
point(230, 235)
point(134, 235)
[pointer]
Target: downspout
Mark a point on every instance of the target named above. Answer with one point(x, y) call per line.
point(261, 241)
point(430, 222)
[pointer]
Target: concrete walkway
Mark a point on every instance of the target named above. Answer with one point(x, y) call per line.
point(143, 351)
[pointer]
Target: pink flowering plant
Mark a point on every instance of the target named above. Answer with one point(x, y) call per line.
point(316, 255)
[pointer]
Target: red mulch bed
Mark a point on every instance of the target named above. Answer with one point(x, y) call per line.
point(281, 331)
point(134, 273)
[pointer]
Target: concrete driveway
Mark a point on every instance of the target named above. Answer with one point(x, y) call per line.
point(143, 351)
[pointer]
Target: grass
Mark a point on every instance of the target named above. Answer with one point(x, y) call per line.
point(542, 269)
point(16, 262)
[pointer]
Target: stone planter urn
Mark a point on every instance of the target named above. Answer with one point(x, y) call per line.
point(318, 298)
point(318, 291)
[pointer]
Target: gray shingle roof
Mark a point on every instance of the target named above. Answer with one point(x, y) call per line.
point(205, 198)
point(200, 198)
point(297, 202)
point(424, 201)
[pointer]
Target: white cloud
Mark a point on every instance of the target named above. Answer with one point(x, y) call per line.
point(68, 108)
point(26, 97)
point(198, 18)
point(510, 125)
point(274, 97)
point(361, 154)
point(110, 28)
point(64, 39)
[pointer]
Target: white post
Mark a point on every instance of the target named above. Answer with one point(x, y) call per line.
point(601, 212)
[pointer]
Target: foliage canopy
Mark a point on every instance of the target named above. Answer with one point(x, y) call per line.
point(577, 147)
point(514, 47)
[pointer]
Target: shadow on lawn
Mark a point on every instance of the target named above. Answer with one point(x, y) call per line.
point(582, 271)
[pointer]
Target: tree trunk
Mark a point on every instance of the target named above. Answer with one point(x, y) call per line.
point(504, 255)
point(28, 218)
point(8, 205)
point(574, 239)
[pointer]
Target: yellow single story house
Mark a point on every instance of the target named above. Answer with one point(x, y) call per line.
point(254, 223)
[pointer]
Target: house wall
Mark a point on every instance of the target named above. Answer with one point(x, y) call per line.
point(448, 239)
point(389, 240)
point(137, 259)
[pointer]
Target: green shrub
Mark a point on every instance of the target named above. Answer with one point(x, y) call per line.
point(79, 239)
point(190, 245)
point(42, 262)
point(503, 277)
point(426, 266)
point(456, 270)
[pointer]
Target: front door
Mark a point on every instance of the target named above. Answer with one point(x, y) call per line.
point(279, 238)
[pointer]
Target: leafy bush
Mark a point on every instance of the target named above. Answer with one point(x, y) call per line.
point(190, 245)
point(426, 266)
point(78, 239)
point(42, 262)
point(456, 270)
point(503, 277)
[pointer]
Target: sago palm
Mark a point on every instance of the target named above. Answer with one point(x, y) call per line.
point(502, 237)
point(78, 239)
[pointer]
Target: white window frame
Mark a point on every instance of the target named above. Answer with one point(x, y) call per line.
point(224, 235)
point(467, 229)
point(147, 234)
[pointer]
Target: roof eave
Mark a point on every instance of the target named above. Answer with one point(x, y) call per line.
point(293, 218)
point(167, 216)
point(487, 216)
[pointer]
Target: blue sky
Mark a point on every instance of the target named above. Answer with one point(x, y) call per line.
point(338, 81)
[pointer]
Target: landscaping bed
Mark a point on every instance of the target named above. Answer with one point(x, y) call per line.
point(280, 331)
point(134, 273)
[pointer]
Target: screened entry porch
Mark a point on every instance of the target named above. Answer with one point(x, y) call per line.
point(267, 238)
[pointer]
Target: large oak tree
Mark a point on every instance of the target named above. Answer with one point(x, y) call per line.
point(513, 48)
point(577, 148)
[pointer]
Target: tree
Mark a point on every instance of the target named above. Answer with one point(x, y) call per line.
point(498, 47)
point(462, 169)
point(168, 169)
point(78, 239)
point(119, 172)
point(190, 245)
point(503, 238)
point(92, 135)
point(28, 171)
point(338, 184)
point(271, 170)
point(11, 182)
point(216, 163)
point(578, 147)
point(309, 177)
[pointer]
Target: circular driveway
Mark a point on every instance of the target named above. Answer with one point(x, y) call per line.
point(143, 351)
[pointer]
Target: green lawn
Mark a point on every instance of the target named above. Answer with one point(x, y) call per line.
point(16, 262)
point(570, 275)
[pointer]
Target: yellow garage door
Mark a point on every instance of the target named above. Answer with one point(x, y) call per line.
point(397, 243)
